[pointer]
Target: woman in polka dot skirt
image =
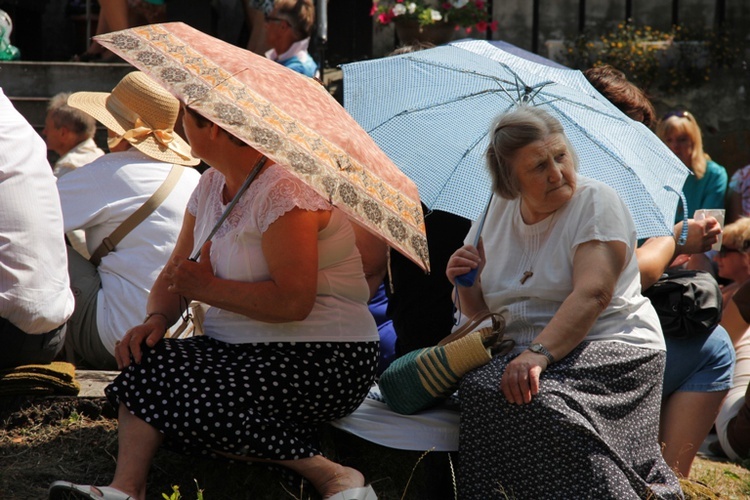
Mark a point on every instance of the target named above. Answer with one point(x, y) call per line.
point(289, 342)
point(573, 411)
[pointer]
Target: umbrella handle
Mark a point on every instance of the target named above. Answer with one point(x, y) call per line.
point(467, 279)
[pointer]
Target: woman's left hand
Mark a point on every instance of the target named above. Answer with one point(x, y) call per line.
point(189, 278)
point(520, 382)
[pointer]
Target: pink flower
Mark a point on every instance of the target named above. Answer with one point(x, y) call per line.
point(468, 30)
point(482, 26)
point(374, 8)
point(399, 1)
point(479, 4)
point(493, 25)
point(385, 17)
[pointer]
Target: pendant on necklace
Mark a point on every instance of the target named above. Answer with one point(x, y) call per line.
point(526, 276)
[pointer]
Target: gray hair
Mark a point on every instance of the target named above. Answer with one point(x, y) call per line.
point(73, 119)
point(512, 131)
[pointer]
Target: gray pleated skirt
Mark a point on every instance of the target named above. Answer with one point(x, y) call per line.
point(591, 432)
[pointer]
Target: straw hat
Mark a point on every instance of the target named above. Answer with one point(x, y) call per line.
point(140, 112)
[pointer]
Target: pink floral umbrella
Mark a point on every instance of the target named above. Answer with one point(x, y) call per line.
point(288, 117)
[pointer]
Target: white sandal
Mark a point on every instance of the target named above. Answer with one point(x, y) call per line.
point(364, 493)
point(63, 490)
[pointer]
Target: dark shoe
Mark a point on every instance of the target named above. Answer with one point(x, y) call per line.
point(715, 449)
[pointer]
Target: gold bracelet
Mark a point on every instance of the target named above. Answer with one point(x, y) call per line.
point(148, 316)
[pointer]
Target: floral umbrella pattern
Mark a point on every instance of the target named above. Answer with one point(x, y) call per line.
point(290, 118)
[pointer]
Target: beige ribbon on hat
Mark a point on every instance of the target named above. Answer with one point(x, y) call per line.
point(140, 131)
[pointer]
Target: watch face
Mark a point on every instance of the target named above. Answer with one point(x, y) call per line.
point(535, 347)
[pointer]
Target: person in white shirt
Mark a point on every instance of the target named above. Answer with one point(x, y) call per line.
point(35, 297)
point(69, 132)
point(577, 401)
point(144, 149)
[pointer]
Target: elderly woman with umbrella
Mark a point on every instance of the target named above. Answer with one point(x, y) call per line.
point(573, 411)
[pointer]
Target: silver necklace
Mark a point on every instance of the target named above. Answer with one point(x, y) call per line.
point(530, 271)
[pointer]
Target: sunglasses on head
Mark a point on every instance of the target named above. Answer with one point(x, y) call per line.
point(679, 113)
point(726, 250)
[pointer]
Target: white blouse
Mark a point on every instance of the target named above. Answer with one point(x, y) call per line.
point(340, 312)
point(548, 247)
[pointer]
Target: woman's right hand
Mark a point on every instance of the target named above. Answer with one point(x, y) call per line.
point(150, 332)
point(464, 260)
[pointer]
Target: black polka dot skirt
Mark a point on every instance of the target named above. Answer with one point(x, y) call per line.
point(591, 432)
point(254, 400)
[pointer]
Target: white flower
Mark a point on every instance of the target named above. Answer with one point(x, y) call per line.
point(398, 9)
point(435, 15)
point(411, 7)
point(459, 3)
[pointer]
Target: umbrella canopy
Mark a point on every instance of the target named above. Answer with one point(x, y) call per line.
point(431, 112)
point(289, 118)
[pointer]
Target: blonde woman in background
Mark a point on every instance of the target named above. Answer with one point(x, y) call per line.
point(706, 189)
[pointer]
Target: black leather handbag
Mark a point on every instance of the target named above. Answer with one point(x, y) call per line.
point(688, 302)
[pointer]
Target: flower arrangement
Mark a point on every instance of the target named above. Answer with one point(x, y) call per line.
point(467, 14)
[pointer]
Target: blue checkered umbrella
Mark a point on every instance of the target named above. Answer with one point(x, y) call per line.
point(431, 112)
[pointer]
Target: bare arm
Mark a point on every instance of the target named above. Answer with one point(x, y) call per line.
point(591, 294)
point(654, 256)
point(163, 306)
point(701, 235)
point(290, 247)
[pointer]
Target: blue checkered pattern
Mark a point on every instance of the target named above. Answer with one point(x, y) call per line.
point(431, 112)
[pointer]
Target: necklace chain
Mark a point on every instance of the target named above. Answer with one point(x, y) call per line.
point(530, 271)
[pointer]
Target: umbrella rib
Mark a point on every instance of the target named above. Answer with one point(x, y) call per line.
point(453, 100)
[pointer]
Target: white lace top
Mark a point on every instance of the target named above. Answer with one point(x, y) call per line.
point(340, 312)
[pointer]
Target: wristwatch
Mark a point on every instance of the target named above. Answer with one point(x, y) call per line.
point(540, 349)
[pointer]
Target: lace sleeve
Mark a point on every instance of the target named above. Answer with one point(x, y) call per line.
point(286, 192)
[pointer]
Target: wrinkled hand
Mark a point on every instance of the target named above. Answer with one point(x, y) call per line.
point(520, 381)
point(464, 260)
point(702, 234)
point(189, 278)
point(150, 332)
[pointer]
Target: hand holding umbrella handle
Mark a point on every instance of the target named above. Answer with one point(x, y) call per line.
point(467, 279)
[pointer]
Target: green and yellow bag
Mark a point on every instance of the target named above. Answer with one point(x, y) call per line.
point(424, 377)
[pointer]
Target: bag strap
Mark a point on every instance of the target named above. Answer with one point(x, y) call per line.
point(472, 324)
point(109, 243)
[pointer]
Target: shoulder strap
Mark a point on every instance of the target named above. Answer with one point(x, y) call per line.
point(108, 244)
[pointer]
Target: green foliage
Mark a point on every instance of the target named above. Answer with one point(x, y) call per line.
point(176, 492)
point(679, 58)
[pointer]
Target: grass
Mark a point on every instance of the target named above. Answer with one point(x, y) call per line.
point(45, 439)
